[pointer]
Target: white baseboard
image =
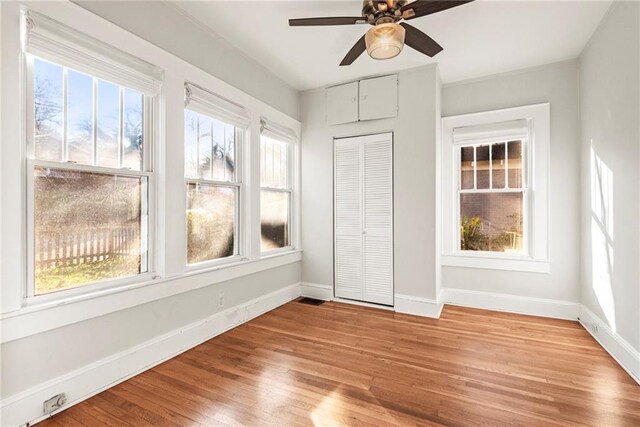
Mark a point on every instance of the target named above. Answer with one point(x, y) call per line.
point(403, 303)
point(557, 309)
point(91, 379)
point(363, 304)
point(417, 306)
point(317, 291)
point(626, 356)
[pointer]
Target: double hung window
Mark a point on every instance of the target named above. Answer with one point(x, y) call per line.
point(492, 195)
point(215, 131)
point(90, 112)
point(276, 186)
point(495, 196)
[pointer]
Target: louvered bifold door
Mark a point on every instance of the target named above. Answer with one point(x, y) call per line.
point(364, 218)
point(348, 219)
point(378, 218)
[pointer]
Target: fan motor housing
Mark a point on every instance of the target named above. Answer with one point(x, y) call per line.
point(380, 11)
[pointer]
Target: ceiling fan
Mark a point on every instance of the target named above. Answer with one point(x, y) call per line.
point(389, 34)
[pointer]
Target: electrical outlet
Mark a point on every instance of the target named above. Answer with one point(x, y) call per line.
point(594, 327)
point(221, 300)
point(54, 403)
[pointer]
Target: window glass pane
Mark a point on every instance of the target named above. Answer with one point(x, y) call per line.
point(47, 110)
point(80, 117)
point(230, 151)
point(218, 154)
point(466, 168)
point(190, 144)
point(108, 121)
point(210, 222)
point(274, 158)
point(88, 228)
point(514, 150)
point(498, 165)
point(482, 167)
point(491, 222)
point(223, 168)
point(274, 219)
point(283, 157)
point(132, 130)
point(204, 146)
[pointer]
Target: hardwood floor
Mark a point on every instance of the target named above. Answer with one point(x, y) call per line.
point(340, 364)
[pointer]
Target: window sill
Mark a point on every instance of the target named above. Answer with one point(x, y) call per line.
point(36, 318)
point(214, 265)
point(496, 262)
point(278, 251)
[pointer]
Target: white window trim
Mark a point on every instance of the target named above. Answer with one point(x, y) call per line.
point(281, 133)
point(70, 49)
point(536, 256)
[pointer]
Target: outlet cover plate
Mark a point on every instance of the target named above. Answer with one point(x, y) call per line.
point(54, 403)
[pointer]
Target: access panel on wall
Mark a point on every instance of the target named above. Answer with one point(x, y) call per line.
point(363, 215)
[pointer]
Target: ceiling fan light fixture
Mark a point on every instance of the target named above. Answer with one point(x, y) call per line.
point(385, 41)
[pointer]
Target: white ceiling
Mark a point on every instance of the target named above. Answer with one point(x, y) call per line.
point(481, 38)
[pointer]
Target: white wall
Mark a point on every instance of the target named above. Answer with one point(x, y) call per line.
point(609, 103)
point(558, 85)
point(43, 342)
point(171, 29)
point(415, 136)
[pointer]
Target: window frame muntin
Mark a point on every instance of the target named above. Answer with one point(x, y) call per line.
point(289, 189)
point(241, 137)
point(524, 189)
point(149, 120)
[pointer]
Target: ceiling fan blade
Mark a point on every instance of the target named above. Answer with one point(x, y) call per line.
point(419, 8)
point(420, 41)
point(355, 52)
point(328, 20)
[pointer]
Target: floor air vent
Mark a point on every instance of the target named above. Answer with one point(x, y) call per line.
point(310, 301)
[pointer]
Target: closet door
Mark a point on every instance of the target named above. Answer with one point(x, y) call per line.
point(348, 219)
point(364, 218)
point(377, 232)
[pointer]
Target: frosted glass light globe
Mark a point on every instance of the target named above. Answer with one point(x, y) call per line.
point(385, 41)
